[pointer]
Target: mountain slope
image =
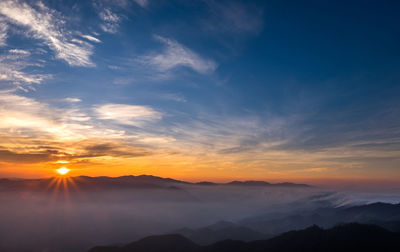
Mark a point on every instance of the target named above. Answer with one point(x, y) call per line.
point(222, 230)
point(383, 214)
point(157, 243)
point(349, 237)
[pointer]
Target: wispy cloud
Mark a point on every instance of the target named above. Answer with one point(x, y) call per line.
point(3, 33)
point(72, 99)
point(176, 55)
point(32, 157)
point(28, 116)
point(19, 51)
point(48, 25)
point(37, 132)
point(91, 38)
point(113, 149)
point(127, 114)
point(234, 17)
point(173, 97)
point(111, 20)
point(12, 70)
point(142, 3)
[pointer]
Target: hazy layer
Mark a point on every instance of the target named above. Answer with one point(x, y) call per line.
point(49, 221)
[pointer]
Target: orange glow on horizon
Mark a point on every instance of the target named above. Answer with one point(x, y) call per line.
point(195, 169)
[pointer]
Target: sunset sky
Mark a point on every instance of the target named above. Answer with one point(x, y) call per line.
point(201, 90)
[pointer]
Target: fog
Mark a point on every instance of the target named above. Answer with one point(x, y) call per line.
point(78, 220)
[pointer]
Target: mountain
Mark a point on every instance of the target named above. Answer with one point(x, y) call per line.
point(378, 210)
point(383, 214)
point(91, 183)
point(171, 242)
point(221, 230)
point(123, 182)
point(206, 183)
point(249, 183)
point(349, 237)
point(264, 183)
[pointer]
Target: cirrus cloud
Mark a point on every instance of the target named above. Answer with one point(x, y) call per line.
point(3, 34)
point(177, 55)
point(12, 70)
point(125, 114)
point(47, 25)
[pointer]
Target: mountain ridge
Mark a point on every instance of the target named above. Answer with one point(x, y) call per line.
point(131, 181)
point(347, 237)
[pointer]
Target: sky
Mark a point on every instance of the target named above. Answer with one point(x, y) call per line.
point(201, 90)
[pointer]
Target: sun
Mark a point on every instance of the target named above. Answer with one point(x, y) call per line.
point(63, 170)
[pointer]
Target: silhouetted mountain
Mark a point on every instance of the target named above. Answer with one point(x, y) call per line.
point(207, 183)
point(123, 182)
point(92, 183)
point(141, 181)
point(172, 242)
point(389, 225)
point(221, 230)
point(264, 183)
point(350, 237)
point(288, 184)
point(379, 210)
point(249, 183)
point(382, 214)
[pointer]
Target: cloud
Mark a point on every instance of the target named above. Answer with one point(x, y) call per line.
point(234, 17)
point(12, 70)
point(173, 97)
point(111, 20)
point(21, 115)
point(84, 151)
point(114, 149)
point(47, 25)
point(250, 144)
point(127, 114)
point(26, 116)
point(19, 51)
point(91, 38)
point(228, 134)
point(32, 132)
point(72, 99)
point(142, 3)
point(176, 55)
point(13, 157)
point(3, 33)
point(157, 140)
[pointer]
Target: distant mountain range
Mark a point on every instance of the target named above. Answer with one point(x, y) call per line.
point(350, 237)
point(125, 182)
point(383, 214)
point(379, 218)
point(263, 183)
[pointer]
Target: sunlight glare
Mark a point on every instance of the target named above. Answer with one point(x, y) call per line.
point(63, 170)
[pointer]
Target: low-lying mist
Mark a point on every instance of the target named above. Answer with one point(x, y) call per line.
point(78, 219)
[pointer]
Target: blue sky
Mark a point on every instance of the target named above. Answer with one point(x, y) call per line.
point(255, 89)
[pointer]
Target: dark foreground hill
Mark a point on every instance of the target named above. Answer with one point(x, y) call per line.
point(349, 237)
point(221, 230)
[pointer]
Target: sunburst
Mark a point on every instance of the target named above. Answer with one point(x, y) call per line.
point(63, 182)
point(63, 171)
